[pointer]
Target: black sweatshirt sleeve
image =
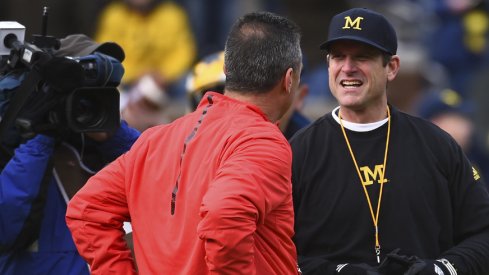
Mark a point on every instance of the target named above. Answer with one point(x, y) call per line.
point(470, 198)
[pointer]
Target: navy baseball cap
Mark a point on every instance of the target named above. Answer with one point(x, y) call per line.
point(444, 101)
point(363, 25)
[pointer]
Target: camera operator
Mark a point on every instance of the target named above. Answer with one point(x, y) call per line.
point(44, 172)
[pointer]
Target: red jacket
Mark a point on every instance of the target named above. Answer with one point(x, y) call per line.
point(229, 170)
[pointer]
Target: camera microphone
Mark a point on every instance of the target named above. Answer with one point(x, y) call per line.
point(11, 41)
point(11, 36)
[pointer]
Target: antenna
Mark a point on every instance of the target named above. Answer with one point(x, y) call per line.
point(44, 21)
point(43, 40)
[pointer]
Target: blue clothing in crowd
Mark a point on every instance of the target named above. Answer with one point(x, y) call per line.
point(54, 252)
point(296, 122)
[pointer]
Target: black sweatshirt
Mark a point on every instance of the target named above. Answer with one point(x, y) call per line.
point(433, 204)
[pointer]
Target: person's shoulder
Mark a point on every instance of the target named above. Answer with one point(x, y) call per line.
point(409, 120)
point(248, 126)
point(409, 124)
point(242, 117)
point(153, 133)
point(261, 129)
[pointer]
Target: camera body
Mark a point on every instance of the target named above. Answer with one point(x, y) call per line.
point(77, 94)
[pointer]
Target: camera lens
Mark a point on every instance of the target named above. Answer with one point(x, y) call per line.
point(88, 113)
point(93, 109)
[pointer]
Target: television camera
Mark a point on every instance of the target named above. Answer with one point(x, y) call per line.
point(74, 93)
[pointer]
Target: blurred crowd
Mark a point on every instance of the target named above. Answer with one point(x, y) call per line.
point(443, 45)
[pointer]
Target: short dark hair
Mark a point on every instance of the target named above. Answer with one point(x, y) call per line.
point(260, 47)
point(386, 57)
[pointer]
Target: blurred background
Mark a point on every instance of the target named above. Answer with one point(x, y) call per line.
point(443, 45)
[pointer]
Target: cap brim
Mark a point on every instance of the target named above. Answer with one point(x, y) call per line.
point(327, 44)
point(113, 49)
point(82, 45)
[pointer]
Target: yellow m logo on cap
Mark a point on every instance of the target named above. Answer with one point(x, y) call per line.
point(355, 24)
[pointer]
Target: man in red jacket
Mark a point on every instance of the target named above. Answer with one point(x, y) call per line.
point(209, 193)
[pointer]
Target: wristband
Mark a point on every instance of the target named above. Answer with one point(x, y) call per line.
point(340, 267)
point(448, 265)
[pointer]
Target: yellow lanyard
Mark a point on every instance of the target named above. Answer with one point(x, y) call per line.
point(375, 218)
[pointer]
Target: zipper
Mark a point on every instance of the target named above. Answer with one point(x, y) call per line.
point(173, 203)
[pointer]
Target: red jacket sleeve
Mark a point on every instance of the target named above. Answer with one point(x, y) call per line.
point(95, 216)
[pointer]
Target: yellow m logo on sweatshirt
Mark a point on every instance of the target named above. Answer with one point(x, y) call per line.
point(370, 176)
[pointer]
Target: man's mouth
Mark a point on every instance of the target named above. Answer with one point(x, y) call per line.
point(351, 83)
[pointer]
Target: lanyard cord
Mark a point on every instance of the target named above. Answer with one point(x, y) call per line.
point(375, 217)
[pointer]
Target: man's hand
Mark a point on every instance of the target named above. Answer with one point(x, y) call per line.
point(397, 263)
point(431, 267)
point(98, 136)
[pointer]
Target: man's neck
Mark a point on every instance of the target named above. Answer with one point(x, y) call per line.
point(260, 100)
point(357, 127)
point(367, 115)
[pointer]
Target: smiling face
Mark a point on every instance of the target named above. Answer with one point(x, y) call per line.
point(358, 80)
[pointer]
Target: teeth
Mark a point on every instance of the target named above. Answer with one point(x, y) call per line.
point(351, 83)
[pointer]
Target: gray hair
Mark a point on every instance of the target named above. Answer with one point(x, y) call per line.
point(260, 47)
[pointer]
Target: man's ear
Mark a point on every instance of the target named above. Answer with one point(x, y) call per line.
point(393, 67)
point(288, 80)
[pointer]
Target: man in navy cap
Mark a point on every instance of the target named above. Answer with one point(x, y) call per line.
point(378, 191)
point(447, 109)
